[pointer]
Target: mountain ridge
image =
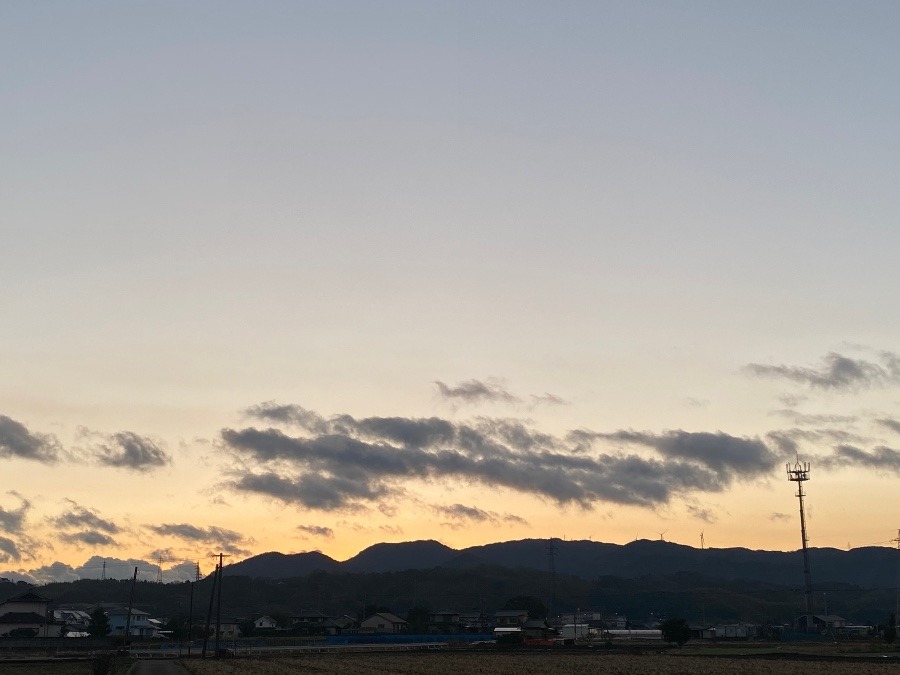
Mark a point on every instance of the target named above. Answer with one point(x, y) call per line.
point(867, 567)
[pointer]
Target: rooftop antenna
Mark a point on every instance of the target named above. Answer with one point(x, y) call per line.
point(799, 474)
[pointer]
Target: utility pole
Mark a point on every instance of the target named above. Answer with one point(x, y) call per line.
point(191, 620)
point(130, 605)
point(799, 473)
point(212, 597)
point(220, 569)
point(897, 609)
point(551, 554)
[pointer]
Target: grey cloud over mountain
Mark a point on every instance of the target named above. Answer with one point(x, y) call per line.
point(16, 441)
point(227, 540)
point(316, 531)
point(96, 567)
point(837, 372)
point(461, 512)
point(128, 450)
point(343, 462)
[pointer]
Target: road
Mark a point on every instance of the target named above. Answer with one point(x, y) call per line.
point(158, 667)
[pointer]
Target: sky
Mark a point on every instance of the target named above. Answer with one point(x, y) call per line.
point(293, 276)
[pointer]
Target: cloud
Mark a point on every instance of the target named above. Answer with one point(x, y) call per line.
point(17, 441)
point(346, 462)
point(97, 567)
point(9, 551)
point(476, 391)
point(779, 516)
point(836, 372)
point(700, 513)
point(12, 520)
point(548, 399)
point(725, 454)
point(813, 420)
point(228, 541)
point(881, 458)
point(89, 537)
point(128, 450)
point(317, 531)
point(893, 425)
point(287, 414)
point(78, 517)
point(461, 512)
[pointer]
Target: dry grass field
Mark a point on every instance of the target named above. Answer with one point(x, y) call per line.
point(531, 663)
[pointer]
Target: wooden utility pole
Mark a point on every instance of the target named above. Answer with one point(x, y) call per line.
point(130, 605)
point(212, 596)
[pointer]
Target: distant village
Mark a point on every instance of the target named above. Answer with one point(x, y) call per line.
point(28, 615)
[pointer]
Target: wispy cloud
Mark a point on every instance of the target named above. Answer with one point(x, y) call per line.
point(128, 450)
point(228, 541)
point(701, 513)
point(892, 424)
point(836, 372)
point(476, 391)
point(880, 458)
point(78, 516)
point(316, 531)
point(343, 462)
point(16, 441)
point(13, 520)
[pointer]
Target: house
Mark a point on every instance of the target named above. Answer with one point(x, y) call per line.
point(27, 615)
point(229, 629)
point(75, 621)
point(820, 623)
point(340, 625)
point(139, 626)
point(446, 622)
point(308, 621)
point(383, 622)
point(265, 623)
point(506, 618)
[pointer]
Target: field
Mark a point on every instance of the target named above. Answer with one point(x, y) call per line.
point(534, 663)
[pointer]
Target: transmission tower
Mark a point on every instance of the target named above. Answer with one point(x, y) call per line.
point(799, 474)
point(198, 571)
point(103, 573)
point(159, 562)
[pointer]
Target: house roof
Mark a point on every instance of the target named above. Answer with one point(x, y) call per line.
point(265, 617)
point(23, 617)
point(28, 596)
point(511, 612)
point(387, 616)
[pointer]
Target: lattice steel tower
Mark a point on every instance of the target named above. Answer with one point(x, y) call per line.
point(799, 473)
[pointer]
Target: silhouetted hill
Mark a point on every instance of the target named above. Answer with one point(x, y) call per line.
point(408, 555)
point(870, 567)
point(276, 565)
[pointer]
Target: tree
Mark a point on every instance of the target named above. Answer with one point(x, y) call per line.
point(99, 624)
point(417, 618)
point(676, 630)
point(536, 608)
point(890, 631)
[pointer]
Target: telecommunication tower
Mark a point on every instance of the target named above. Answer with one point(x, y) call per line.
point(799, 473)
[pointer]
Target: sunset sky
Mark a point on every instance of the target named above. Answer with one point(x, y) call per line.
point(315, 275)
